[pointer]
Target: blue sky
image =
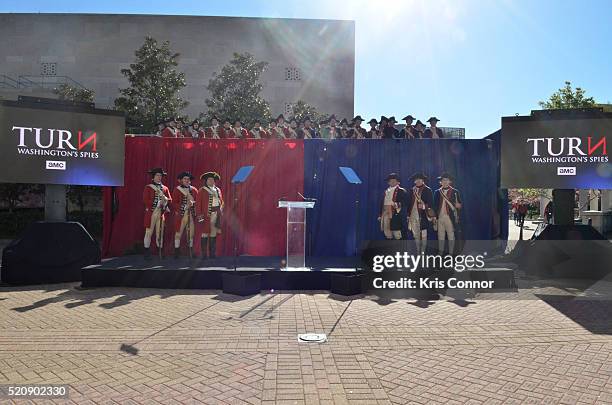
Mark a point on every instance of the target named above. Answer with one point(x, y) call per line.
point(468, 62)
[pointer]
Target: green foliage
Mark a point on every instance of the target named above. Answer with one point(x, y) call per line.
point(73, 93)
point(235, 91)
point(531, 195)
point(154, 90)
point(13, 223)
point(302, 109)
point(14, 193)
point(80, 195)
point(91, 220)
point(566, 97)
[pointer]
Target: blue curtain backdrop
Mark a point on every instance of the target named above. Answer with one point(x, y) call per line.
point(331, 224)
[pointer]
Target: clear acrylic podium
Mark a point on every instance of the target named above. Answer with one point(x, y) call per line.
point(296, 233)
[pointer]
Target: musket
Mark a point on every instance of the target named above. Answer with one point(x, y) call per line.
point(160, 240)
point(189, 237)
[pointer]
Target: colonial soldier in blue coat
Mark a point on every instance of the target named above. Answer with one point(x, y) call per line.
point(420, 212)
point(393, 208)
point(447, 203)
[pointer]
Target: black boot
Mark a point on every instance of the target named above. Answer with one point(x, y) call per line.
point(176, 252)
point(147, 254)
point(213, 247)
point(204, 247)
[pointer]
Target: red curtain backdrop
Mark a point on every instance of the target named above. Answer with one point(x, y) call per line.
point(256, 223)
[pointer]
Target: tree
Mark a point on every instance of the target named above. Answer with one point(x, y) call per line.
point(80, 195)
point(73, 93)
point(14, 193)
point(234, 92)
point(302, 109)
point(155, 84)
point(566, 97)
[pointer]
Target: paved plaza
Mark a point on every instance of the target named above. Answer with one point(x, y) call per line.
point(546, 345)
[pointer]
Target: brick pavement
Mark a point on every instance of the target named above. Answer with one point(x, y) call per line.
point(184, 346)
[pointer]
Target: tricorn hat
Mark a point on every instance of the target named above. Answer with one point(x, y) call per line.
point(392, 119)
point(433, 119)
point(280, 116)
point(373, 121)
point(156, 170)
point(408, 118)
point(214, 175)
point(357, 118)
point(445, 175)
point(185, 174)
point(195, 122)
point(419, 123)
point(214, 117)
point(418, 175)
point(392, 176)
point(383, 118)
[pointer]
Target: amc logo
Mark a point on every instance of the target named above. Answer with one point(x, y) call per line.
point(55, 165)
point(566, 171)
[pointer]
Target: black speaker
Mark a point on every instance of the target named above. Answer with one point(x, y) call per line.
point(346, 284)
point(49, 252)
point(563, 206)
point(241, 283)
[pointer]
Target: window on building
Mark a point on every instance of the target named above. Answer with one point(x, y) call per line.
point(288, 109)
point(48, 69)
point(293, 74)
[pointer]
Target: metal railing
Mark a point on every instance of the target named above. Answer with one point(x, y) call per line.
point(8, 82)
point(46, 82)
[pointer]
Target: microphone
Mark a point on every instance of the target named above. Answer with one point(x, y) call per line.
point(306, 198)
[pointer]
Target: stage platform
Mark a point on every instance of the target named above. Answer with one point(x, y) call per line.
point(340, 275)
point(134, 271)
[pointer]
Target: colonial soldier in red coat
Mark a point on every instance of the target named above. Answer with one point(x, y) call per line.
point(239, 131)
point(226, 132)
point(447, 203)
point(258, 132)
point(170, 130)
point(156, 198)
point(420, 210)
point(209, 208)
point(291, 130)
point(195, 131)
point(275, 132)
point(213, 131)
point(184, 197)
point(393, 210)
point(281, 125)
